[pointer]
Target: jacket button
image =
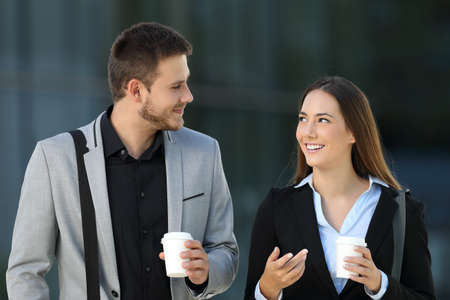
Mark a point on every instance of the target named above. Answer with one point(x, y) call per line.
point(115, 294)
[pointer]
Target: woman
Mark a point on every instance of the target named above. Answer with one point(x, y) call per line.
point(342, 187)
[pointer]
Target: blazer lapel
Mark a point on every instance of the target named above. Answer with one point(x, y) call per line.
point(379, 225)
point(381, 220)
point(174, 173)
point(302, 202)
point(95, 168)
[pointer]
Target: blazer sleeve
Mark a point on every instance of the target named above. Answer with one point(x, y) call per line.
point(35, 233)
point(263, 241)
point(416, 279)
point(219, 241)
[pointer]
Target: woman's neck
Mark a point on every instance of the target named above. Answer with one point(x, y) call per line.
point(339, 190)
point(339, 184)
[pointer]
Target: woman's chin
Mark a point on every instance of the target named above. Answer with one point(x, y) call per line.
point(313, 163)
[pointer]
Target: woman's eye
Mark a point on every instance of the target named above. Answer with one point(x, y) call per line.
point(323, 120)
point(301, 119)
point(176, 87)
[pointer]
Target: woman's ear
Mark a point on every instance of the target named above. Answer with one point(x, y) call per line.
point(352, 139)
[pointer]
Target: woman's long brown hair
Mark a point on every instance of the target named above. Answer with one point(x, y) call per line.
point(367, 154)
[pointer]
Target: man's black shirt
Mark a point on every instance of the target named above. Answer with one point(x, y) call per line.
point(138, 204)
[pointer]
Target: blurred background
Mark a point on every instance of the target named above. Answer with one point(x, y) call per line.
point(251, 61)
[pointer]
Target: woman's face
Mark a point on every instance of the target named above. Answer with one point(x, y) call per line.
point(322, 133)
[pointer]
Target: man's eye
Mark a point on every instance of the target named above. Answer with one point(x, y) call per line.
point(301, 119)
point(176, 86)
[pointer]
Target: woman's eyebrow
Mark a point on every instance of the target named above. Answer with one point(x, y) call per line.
point(317, 115)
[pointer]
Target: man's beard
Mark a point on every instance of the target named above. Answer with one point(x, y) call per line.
point(160, 121)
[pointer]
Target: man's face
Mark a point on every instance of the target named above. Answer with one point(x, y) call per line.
point(164, 104)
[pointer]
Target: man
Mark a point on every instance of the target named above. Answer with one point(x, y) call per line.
point(148, 175)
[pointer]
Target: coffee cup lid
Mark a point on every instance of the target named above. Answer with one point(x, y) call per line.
point(176, 236)
point(351, 240)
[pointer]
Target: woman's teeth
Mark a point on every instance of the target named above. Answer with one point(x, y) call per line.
point(314, 146)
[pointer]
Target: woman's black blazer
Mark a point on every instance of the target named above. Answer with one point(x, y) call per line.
point(287, 219)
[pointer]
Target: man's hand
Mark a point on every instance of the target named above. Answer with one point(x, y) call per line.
point(197, 268)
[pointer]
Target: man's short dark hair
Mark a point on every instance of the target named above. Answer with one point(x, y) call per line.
point(137, 51)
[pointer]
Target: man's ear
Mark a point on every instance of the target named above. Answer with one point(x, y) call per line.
point(133, 90)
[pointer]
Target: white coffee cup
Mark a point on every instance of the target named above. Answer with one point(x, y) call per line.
point(173, 245)
point(345, 246)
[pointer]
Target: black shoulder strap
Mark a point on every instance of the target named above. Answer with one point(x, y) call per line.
point(398, 226)
point(88, 220)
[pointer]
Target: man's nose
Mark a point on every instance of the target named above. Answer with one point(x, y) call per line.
point(187, 97)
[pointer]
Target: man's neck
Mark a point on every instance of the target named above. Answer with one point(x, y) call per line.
point(135, 133)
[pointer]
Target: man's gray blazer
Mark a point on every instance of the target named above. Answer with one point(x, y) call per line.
point(48, 222)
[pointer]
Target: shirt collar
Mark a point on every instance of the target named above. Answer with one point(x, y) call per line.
point(113, 144)
point(372, 180)
point(111, 141)
point(157, 148)
point(306, 180)
point(356, 209)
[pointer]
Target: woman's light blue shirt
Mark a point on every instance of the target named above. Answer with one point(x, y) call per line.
point(355, 224)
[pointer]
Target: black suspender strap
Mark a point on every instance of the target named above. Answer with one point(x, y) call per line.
point(398, 230)
point(88, 220)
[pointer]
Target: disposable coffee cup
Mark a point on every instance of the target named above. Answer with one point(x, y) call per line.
point(173, 245)
point(345, 246)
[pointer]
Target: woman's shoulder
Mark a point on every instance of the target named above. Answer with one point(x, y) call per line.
point(278, 195)
point(413, 205)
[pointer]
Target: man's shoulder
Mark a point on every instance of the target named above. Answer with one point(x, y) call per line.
point(60, 140)
point(63, 140)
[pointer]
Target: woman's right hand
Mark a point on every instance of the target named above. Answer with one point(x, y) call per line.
point(281, 272)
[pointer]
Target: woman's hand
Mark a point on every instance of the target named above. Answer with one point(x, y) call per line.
point(281, 272)
point(369, 275)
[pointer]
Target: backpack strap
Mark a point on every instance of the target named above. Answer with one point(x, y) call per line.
point(398, 228)
point(88, 220)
